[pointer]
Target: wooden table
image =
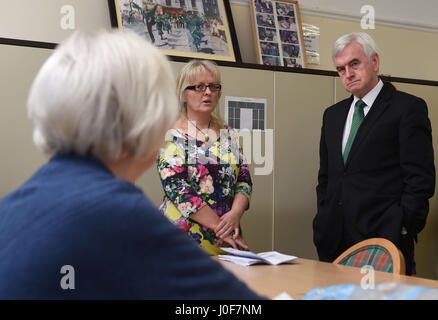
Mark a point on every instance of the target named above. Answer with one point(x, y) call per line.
point(300, 277)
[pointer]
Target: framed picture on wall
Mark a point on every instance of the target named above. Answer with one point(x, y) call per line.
point(278, 34)
point(201, 29)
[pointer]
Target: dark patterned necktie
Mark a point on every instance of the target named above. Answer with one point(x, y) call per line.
point(355, 124)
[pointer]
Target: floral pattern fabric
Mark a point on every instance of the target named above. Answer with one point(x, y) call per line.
point(195, 174)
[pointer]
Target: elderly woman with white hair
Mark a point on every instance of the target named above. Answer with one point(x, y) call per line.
point(79, 228)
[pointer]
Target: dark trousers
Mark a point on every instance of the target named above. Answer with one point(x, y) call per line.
point(406, 246)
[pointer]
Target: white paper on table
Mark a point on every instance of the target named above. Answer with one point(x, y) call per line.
point(239, 260)
point(248, 258)
point(283, 296)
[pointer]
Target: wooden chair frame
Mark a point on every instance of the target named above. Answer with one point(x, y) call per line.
point(399, 266)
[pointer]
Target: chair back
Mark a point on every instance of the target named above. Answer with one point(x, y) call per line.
point(379, 253)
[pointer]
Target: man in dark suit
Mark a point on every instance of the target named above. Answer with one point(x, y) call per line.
point(376, 159)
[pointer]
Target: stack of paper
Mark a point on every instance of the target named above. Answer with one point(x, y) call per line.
point(247, 258)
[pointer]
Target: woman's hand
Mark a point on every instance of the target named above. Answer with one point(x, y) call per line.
point(229, 225)
point(237, 243)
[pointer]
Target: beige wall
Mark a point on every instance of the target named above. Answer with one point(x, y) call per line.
point(19, 157)
point(404, 53)
point(40, 20)
point(297, 131)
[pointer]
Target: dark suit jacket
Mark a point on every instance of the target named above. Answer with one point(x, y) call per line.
point(387, 180)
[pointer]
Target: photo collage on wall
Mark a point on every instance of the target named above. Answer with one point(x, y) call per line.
point(278, 33)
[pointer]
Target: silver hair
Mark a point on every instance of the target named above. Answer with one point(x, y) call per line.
point(368, 44)
point(108, 93)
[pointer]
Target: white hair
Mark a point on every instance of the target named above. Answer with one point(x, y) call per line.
point(108, 93)
point(368, 44)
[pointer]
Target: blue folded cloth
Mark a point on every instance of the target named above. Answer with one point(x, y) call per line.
point(381, 291)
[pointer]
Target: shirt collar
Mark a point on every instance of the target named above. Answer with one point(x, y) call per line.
point(371, 96)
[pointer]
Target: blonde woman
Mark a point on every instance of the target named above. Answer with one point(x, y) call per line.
point(206, 182)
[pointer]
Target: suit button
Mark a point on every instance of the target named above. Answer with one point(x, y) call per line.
point(340, 203)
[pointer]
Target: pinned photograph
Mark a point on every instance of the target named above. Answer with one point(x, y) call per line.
point(267, 34)
point(283, 19)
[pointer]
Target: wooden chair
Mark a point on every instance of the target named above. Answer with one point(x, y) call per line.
point(380, 253)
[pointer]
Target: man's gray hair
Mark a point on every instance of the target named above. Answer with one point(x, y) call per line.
point(368, 44)
point(105, 93)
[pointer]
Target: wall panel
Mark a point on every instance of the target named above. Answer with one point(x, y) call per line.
point(300, 100)
point(19, 157)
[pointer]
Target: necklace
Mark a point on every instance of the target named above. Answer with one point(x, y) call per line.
point(205, 134)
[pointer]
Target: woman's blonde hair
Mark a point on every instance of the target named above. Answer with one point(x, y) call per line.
point(188, 75)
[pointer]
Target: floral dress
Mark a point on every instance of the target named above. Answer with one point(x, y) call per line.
point(195, 174)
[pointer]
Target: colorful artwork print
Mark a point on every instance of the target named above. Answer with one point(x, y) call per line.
point(193, 28)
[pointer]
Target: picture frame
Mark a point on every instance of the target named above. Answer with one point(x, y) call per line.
point(278, 34)
point(202, 29)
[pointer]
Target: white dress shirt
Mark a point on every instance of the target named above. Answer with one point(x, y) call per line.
point(369, 100)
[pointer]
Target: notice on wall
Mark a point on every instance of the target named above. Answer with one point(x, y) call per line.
point(311, 40)
point(245, 113)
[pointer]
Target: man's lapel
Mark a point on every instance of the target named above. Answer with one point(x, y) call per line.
point(338, 127)
point(378, 107)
